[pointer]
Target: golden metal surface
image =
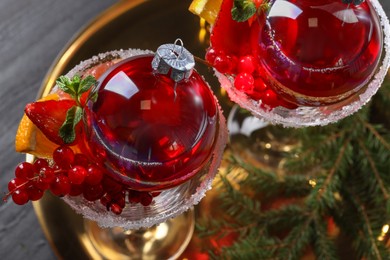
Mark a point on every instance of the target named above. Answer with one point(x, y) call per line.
point(128, 24)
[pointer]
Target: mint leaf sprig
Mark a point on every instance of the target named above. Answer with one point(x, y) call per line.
point(243, 10)
point(75, 87)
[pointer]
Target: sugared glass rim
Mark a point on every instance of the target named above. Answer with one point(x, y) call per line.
point(106, 219)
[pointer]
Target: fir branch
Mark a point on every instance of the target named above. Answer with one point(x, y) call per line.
point(375, 133)
point(323, 245)
point(324, 191)
point(298, 239)
point(374, 170)
point(276, 218)
point(254, 246)
point(373, 243)
point(238, 205)
point(268, 184)
point(363, 226)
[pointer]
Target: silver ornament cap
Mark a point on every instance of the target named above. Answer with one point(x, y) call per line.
point(174, 58)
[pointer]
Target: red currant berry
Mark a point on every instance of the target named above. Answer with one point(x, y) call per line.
point(41, 184)
point(270, 99)
point(211, 54)
point(47, 175)
point(92, 193)
point(244, 82)
point(15, 184)
point(39, 164)
point(77, 174)
point(81, 160)
point(34, 193)
point(260, 85)
point(222, 63)
point(76, 190)
point(63, 156)
point(20, 197)
point(24, 170)
point(146, 198)
point(60, 186)
point(94, 175)
point(116, 209)
point(246, 64)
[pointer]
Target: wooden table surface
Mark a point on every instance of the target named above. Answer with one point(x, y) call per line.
point(32, 33)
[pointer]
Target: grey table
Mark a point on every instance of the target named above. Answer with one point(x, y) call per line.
point(32, 33)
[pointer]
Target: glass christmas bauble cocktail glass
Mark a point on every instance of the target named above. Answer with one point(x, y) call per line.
point(316, 61)
point(153, 132)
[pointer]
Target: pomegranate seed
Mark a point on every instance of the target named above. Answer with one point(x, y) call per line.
point(155, 193)
point(111, 185)
point(77, 174)
point(105, 200)
point(63, 156)
point(119, 199)
point(20, 197)
point(146, 198)
point(134, 196)
point(116, 209)
point(24, 170)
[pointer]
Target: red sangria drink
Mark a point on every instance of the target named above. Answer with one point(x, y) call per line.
point(156, 129)
point(154, 133)
point(300, 62)
point(319, 52)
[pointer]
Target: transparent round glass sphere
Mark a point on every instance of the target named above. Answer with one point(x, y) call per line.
point(320, 61)
point(154, 136)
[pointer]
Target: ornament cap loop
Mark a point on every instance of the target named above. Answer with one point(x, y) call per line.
point(175, 59)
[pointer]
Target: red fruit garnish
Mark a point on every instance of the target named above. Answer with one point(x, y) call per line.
point(60, 186)
point(227, 34)
point(24, 170)
point(63, 156)
point(20, 197)
point(49, 116)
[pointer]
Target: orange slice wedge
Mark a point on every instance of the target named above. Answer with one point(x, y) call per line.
point(206, 9)
point(29, 139)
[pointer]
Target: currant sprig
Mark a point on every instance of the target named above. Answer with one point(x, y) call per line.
point(72, 174)
point(75, 87)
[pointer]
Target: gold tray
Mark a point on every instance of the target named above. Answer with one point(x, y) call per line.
point(128, 24)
